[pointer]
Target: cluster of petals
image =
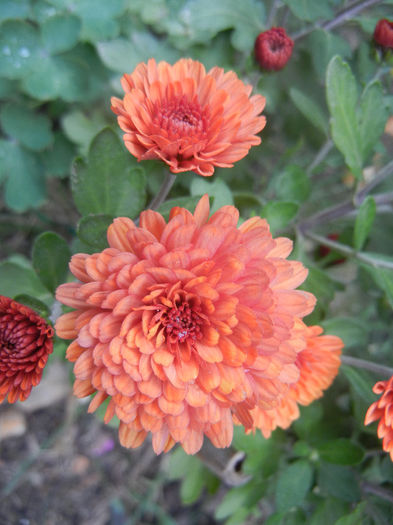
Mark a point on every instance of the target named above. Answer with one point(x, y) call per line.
point(188, 327)
point(383, 33)
point(191, 119)
point(25, 344)
point(273, 49)
point(382, 410)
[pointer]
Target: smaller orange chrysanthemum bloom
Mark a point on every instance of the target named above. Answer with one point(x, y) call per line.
point(383, 410)
point(192, 326)
point(318, 365)
point(191, 119)
point(25, 344)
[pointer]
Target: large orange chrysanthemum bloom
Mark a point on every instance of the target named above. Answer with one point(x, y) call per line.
point(192, 325)
point(26, 341)
point(383, 410)
point(190, 119)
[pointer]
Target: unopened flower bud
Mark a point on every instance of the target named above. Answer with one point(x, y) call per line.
point(383, 33)
point(273, 49)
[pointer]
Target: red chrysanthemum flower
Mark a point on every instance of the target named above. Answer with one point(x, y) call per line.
point(191, 325)
point(383, 410)
point(25, 344)
point(273, 49)
point(190, 119)
point(383, 33)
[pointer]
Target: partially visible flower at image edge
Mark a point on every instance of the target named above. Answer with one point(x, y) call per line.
point(273, 49)
point(383, 33)
point(382, 410)
point(191, 119)
point(26, 340)
point(190, 326)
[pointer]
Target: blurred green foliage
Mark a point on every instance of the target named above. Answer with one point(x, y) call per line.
point(313, 178)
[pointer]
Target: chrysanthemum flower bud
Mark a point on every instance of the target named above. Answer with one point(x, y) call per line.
point(25, 344)
point(273, 49)
point(383, 33)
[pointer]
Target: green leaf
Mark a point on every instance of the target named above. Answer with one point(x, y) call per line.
point(25, 185)
point(61, 32)
point(234, 499)
point(217, 189)
point(92, 230)
point(204, 19)
point(31, 129)
point(383, 278)
point(360, 382)
point(110, 183)
point(19, 49)
point(372, 117)
point(339, 481)
point(309, 9)
point(98, 18)
point(310, 109)
point(58, 157)
point(293, 484)
point(33, 303)
point(14, 9)
point(364, 222)
point(51, 256)
point(124, 55)
point(328, 511)
point(80, 129)
point(293, 184)
point(342, 95)
point(193, 483)
point(341, 452)
point(324, 45)
point(352, 331)
point(355, 518)
point(16, 280)
point(279, 214)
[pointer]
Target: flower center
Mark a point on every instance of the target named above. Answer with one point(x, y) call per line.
point(276, 45)
point(179, 117)
point(182, 323)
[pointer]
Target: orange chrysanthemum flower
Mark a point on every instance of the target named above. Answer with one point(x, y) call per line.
point(191, 325)
point(318, 365)
point(383, 410)
point(190, 119)
point(25, 344)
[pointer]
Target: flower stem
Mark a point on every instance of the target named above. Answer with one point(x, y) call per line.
point(326, 147)
point(350, 205)
point(379, 177)
point(164, 190)
point(347, 250)
point(272, 13)
point(340, 18)
point(381, 370)
point(383, 493)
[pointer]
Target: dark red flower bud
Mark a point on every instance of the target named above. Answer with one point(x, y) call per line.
point(25, 344)
point(273, 49)
point(383, 33)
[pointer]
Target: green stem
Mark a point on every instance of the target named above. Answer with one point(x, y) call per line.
point(385, 494)
point(340, 18)
point(326, 147)
point(164, 190)
point(381, 370)
point(350, 252)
